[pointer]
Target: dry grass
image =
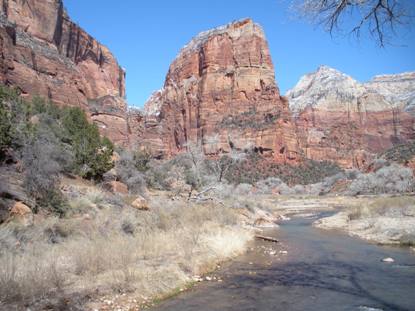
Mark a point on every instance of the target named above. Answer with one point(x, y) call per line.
point(383, 206)
point(113, 249)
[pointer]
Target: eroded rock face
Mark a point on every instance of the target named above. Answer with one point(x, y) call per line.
point(44, 53)
point(220, 92)
point(342, 120)
point(398, 89)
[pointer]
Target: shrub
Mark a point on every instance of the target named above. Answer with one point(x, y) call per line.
point(389, 179)
point(220, 167)
point(255, 168)
point(128, 172)
point(70, 125)
point(193, 163)
point(394, 207)
point(7, 98)
point(243, 189)
point(157, 176)
point(44, 159)
point(5, 129)
point(92, 152)
point(50, 140)
point(266, 186)
point(400, 153)
point(188, 167)
point(142, 159)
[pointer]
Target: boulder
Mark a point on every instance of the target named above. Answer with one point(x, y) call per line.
point(117, 187)
point(21, 213)
point(140, 203)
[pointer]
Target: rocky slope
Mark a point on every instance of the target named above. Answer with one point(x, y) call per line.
point(340, 119)
point(44, 53)
point(220, 92)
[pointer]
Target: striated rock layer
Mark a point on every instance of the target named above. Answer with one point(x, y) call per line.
point(342, 120)
point(220, 92)
point(44, 53)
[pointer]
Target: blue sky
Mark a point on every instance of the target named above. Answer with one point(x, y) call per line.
point(146, 36)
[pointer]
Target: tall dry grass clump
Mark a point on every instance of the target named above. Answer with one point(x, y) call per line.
point(115, 249)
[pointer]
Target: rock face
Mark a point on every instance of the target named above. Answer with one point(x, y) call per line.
point(44, 53)
point(220, 92)
point(340, 119)
point(398, 89)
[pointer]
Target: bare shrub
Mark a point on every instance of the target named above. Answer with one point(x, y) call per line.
point(352, 174)
point(393, 207)
point(128, 173)
point(254, 168)
point(243, 189)
point(142, 159)
point(272, 185)
point(389, 179)
point(162, 176)
point(224, 190)
point(44, 158)
point(400, 153)
point(190, 167)
point(267, 185)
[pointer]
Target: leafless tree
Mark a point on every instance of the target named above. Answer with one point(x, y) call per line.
point(224, 161)
point(381, 18)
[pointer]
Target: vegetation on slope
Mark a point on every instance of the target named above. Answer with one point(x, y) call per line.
point(109, 248)
point(48, 141)
point(400, 153)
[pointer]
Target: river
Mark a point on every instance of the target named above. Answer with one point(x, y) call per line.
point(310, 269)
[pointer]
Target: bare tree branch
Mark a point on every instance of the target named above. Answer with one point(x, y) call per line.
point(379, 18)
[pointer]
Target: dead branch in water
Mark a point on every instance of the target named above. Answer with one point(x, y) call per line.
point(267, 238)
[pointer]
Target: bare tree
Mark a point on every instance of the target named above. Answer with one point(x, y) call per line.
point(224, 161)
point(379, 17)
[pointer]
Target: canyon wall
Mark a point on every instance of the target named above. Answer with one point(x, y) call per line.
point(44, 53)
point(342, 120)
point(220, 92)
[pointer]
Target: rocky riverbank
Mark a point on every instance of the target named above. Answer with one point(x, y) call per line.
point(382, 220)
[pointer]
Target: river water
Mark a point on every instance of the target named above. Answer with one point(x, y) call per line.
point(322, 270)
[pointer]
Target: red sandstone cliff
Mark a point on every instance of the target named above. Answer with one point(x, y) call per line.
point(44, 53)
point(220, 92)
point(342, 120)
